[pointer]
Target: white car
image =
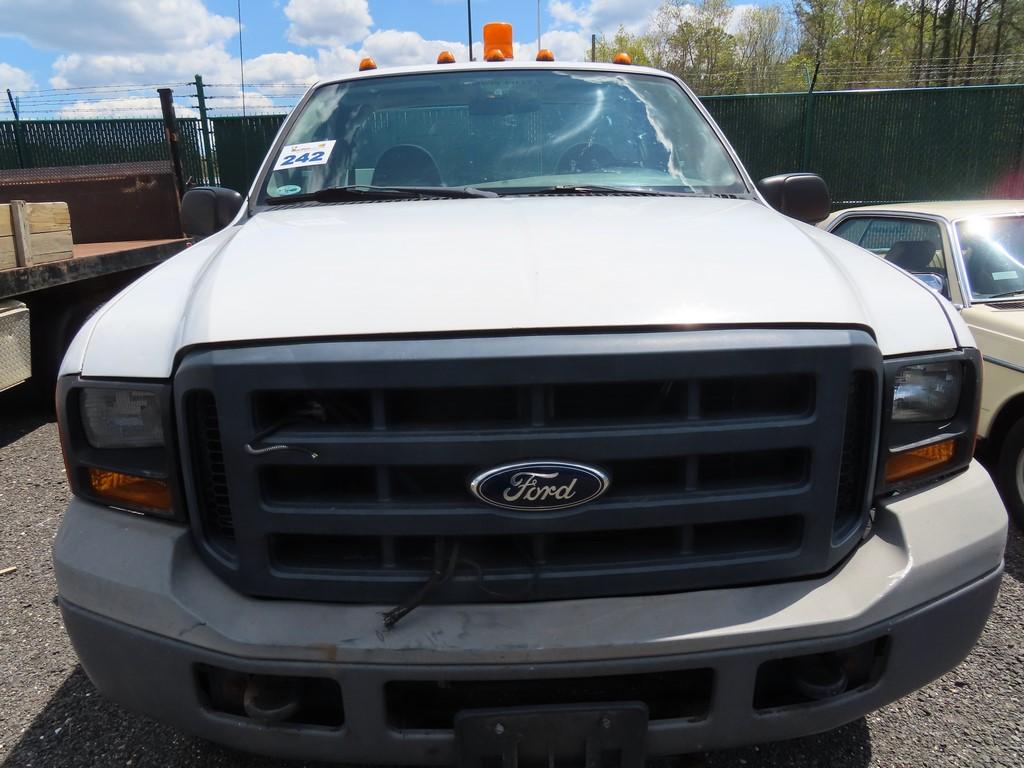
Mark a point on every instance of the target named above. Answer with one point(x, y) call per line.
point(504, 419)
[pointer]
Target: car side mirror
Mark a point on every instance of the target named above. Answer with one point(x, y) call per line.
point(207, 210)
point(936, 282)
point(802, 196)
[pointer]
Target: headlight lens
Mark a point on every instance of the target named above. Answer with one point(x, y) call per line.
point(118, 441)
point(121, 418)
point(929, 392)
point(933, 403)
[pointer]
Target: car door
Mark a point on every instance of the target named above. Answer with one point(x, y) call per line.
point(917, 244)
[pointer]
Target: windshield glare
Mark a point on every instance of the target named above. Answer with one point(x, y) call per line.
point(508, 131)
point(993, 249)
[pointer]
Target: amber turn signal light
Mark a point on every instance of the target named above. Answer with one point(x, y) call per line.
point(129, 490)
point(917, 461)
point(367, 64)
point(622, 58)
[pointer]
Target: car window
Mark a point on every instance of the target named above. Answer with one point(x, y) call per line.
point(911, 244)
point(993, 249)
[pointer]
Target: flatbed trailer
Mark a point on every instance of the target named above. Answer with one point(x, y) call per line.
point(43, 306)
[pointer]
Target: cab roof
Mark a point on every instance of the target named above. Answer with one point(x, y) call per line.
point(951, 210)
point(510, 64)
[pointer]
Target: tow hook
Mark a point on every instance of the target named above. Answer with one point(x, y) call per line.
point(270, 700)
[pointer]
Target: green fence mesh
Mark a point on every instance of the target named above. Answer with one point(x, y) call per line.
point(883, 146)
point(49, 143)
point(870, 146)
point(241, 143)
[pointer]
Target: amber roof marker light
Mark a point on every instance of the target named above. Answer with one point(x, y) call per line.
point(446, 57)
point(623, 58)
point(367, 64)
point(498, 37)
point(545, 55)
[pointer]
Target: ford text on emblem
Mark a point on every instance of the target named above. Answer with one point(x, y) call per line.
point(539, 486)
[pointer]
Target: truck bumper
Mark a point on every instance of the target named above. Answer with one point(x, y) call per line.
point(153, 628)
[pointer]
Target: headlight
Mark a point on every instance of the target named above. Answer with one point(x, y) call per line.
point(117, 446)
point(121, 418)
point(928, 392)
point(932, 403)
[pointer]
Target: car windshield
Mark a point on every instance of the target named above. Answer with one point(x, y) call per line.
point(993, 249)
point(509, 131)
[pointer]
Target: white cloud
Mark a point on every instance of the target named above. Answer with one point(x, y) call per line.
point(604, 16)
point(286, 67)
point(78, 69)
point(395, 48)
point(115, 26)
point(738, 12)
point(327, 22)
point(565, 13)
point(337, 61)
point(14, 78)
point(567, 45)
point(130, 106)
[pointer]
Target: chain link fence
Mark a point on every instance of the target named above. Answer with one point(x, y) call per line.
point(870, 146)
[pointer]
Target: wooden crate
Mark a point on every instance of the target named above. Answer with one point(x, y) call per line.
point(34, 233)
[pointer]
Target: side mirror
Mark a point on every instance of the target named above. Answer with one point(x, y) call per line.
point(936, 282)
point(207, 210)
point(802, 196)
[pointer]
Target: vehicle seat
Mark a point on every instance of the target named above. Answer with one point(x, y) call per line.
point(914, 256)
point(406, 165)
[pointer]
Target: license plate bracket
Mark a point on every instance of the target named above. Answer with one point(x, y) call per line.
point(612, 735)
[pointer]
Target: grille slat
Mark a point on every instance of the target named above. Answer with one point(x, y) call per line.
point(723, 448)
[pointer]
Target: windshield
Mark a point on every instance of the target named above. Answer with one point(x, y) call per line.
point(993, 249)
point(509, 131)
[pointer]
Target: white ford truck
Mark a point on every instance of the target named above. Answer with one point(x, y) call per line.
point(507, 419)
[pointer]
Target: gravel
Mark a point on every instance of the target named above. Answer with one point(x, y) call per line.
point(52, 717)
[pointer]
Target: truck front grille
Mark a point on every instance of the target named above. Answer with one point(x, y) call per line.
point(340, 470)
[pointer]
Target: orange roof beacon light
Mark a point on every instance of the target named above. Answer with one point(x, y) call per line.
point(446, 57)
point(367, 64)
point(498, 35)
point(545, 55)
point(623, 58)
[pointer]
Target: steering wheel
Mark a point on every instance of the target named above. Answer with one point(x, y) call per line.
point(586, 158)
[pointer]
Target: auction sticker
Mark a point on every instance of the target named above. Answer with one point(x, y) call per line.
point(304, 155)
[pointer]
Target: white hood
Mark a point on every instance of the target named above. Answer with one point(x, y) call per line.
point(504, 264)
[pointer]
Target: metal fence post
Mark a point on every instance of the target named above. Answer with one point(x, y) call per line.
point(171, 131)
point(808, 127)
point(18, 140)
point(204, 125)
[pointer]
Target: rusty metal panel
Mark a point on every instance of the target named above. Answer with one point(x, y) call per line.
point(125, 201)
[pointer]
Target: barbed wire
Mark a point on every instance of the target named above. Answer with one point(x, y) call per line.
point(140, 100)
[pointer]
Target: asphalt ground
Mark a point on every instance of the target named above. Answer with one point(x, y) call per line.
point(52, 717)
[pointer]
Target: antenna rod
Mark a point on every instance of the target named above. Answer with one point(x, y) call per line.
point(469, 18)
point(539, 32)
point(241, 56)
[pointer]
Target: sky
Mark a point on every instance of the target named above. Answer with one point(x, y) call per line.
point(92, 45)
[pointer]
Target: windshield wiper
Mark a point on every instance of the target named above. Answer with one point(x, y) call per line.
point(587, 189)
point(1006, 295)
point(366, 192)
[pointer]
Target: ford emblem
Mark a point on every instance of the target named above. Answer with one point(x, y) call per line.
point(539, 486)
